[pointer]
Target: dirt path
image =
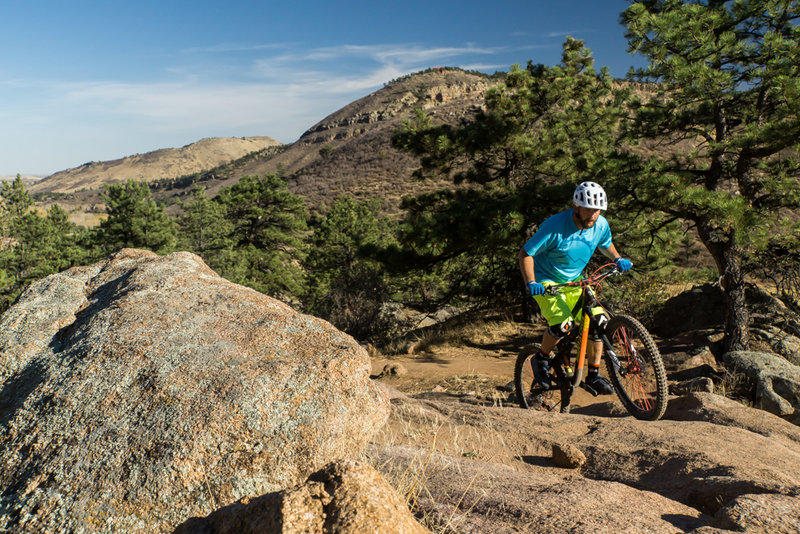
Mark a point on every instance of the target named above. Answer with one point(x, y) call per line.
point(480, 368)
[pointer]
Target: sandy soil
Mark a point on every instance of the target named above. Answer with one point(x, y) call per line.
point(480, 369)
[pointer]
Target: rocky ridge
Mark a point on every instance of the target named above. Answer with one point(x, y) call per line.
point(425, 91)
point(348, 151)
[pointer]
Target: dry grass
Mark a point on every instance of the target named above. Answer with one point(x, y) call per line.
point(737, 387)
point(482, 387)
point(479, 332)
point(439, 439)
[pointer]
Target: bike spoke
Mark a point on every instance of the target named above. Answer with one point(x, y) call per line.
point(635, 375)
point(640, 380)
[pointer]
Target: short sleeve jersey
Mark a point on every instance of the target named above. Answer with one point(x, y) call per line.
point(561, 251)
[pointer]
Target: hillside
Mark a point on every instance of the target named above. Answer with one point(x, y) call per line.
point(348, 151)
point(27, 180)
point(151, 166)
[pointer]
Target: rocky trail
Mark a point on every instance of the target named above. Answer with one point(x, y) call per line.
point(147, 394)
point(469, 460)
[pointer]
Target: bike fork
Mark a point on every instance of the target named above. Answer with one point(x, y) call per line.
point(612, 356)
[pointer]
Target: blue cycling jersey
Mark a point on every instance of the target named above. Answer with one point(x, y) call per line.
point(561, 250)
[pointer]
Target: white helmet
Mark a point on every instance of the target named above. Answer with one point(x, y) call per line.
point(590, 195)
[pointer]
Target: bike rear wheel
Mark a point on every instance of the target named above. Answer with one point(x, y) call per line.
point(641, 381)
point(529, 393)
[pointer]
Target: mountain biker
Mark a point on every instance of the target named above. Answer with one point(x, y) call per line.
point(557, 253)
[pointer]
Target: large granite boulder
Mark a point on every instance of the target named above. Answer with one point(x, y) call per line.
point(145, 390)
point(777, 381)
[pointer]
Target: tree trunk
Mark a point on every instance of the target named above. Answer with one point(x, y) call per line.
point(737, 316)
point(728, 257)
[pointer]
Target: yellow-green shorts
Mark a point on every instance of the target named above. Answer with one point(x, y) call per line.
point(557, 309)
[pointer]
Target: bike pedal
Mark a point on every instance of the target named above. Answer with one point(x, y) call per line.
point(590, 389)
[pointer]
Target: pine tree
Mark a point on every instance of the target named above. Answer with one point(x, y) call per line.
point(15, 198)
point(269, 236)
point(15, 201)
point(726, 86)
point(346, 285)
point(205, 229)
point(33, 246)
point(557, 122)
point(543, 131)
point(135, 220)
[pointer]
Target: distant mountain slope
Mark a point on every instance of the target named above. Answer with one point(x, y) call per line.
point(348, 152)
point(156, 165)
point(27, 180)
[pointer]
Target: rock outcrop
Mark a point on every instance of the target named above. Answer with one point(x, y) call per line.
point(711, 465)
point(343, 498)
point(774, 323)
point(145, 390)
point(419, 91)
point(777, 381)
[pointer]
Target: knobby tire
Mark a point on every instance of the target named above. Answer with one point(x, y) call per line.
point(642, 384)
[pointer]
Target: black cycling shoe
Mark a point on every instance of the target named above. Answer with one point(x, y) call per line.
point(541, 370)
point(597, 385)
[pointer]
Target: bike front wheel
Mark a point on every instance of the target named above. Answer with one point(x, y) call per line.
point(640, 380)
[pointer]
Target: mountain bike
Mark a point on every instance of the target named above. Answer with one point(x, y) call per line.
point(632, 358)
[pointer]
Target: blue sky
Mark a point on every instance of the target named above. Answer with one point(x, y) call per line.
point(99, 80)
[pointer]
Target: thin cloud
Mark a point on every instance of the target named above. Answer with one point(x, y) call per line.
point(357, 67)
point(283, 111)
point(269, 90)
point(573, 32)
point(359, 84)
point(181, 103)
point(232, 47)
point(403, 54)
point(423, 55)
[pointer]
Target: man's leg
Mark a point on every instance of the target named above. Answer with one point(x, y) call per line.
point(548, 342)
point(540, 363)
point(597, 353)
point(557, 310)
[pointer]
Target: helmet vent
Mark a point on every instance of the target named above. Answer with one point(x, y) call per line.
point(590, 195)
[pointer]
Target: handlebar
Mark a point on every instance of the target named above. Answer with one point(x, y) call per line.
point(598, 276)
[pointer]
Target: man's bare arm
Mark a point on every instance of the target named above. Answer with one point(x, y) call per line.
point(610, 252)
point(526, 266)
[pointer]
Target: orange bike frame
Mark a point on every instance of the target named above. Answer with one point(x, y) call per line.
point(584, 344)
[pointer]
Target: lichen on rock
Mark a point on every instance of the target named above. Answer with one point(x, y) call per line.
point(144, 390)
